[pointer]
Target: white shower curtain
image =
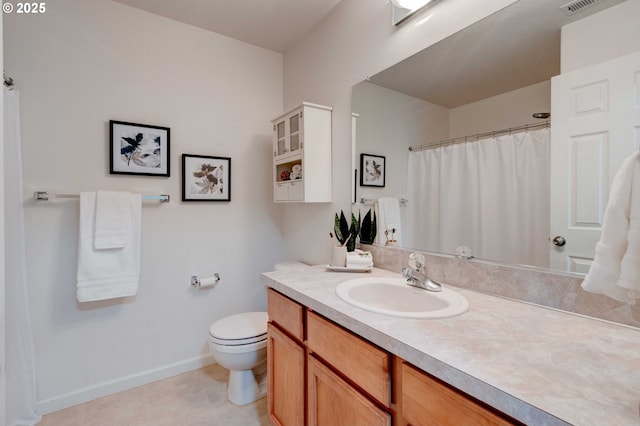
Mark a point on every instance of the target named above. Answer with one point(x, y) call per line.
point(20, 359)
point(491, 195)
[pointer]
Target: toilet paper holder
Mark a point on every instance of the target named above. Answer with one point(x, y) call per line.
point(204, 282)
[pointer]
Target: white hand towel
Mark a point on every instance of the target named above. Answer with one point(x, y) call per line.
point(630, 266)
point(613, 273)
point(113, 217)
point(107, 274)
point(388, 220)
point(359, 259)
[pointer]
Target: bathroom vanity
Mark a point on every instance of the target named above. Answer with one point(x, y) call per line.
point(502, 362)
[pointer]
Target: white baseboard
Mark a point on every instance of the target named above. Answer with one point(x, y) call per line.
point(114, 386)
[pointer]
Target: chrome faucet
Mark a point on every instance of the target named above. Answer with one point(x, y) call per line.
point(416, 275)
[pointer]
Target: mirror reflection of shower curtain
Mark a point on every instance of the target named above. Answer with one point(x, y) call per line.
point(20, 357)
point(491, 195)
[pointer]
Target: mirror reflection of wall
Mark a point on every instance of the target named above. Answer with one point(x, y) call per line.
point(469, 97)
point(390, 122)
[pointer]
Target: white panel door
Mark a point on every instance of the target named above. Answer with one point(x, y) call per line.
point(595, 125)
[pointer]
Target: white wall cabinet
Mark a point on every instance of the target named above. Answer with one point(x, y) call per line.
point(302, 155)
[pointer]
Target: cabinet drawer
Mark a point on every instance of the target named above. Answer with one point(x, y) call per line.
point(364, 363)
point(281, 192)
point(296, 191)
point(425, 400)
point(332, 401)
point(288, 314)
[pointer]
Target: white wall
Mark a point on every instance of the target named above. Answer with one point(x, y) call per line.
point(79, 65)
point(354, 41)
point(502, 111)
point(600, 37)
point(3, 375)
point(389, 123)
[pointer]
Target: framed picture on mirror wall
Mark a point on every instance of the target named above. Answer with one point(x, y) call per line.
point(138, 149)
point(206, 178)
point(372, 170)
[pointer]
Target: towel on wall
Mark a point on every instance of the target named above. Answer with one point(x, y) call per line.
point(107, 273)
point(388, 218)
point(615, 271)
point(113, 216)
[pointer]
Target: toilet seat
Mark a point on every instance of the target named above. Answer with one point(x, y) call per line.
point(238, 342)
point(240, 329)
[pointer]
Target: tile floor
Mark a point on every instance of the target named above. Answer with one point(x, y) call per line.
point(195, 398)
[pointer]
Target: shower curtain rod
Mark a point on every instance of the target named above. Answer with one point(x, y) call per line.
point(478, 136)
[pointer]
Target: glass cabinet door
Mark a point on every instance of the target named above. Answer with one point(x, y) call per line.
point(294, 126)
point(282, 148)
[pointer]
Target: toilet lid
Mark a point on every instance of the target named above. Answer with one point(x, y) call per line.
point(247, 326)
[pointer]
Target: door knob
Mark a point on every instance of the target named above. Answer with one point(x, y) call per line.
point(559, 241)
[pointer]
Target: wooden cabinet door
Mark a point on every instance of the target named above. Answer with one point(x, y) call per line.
point(333, 402)
point(426, 401)
point(285, 371)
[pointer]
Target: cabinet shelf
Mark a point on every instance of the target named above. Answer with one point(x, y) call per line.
point(285, 170)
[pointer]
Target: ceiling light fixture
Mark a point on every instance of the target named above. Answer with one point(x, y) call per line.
point(401, 10)
point(410, 4)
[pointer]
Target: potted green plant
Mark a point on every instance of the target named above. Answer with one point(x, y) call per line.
point(345, 233)
point(368, 228)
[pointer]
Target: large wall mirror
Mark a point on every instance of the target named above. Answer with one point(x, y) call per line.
point(482, 84)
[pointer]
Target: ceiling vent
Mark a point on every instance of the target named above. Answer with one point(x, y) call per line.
point(577, 5)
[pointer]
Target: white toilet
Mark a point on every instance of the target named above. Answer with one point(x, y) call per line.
point(239, 343)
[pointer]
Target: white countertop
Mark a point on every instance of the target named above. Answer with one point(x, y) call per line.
point(538, 365)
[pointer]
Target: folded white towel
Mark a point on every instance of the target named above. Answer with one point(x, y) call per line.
point(388, 218)
point(113, 217)
point(615, 271)
point(359, 259)
point(107, 274)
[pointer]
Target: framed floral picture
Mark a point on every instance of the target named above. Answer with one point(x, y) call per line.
point(372, 170)
point(206, 178)
point(138, 149)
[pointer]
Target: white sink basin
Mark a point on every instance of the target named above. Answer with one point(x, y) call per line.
point(393, 296)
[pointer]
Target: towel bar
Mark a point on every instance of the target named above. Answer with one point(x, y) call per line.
point(363, 200)
point(44, 196)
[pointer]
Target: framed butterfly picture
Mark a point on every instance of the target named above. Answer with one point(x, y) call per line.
point(372, 170)
point(206, 178)
point(138, 149)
